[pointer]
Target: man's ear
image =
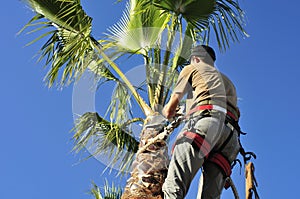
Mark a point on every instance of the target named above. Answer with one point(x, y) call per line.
point(197, 59)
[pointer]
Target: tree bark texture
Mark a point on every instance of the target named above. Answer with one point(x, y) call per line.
point(149, 168)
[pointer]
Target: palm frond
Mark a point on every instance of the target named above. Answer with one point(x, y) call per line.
point(101, 69)
point(138, 32)
point(120, 105)
point(188, 9)
point(138, 29)
point(224, 18)
point(71, 48)
point(100, 136)
point(227, 22)
point(67, 14)
point(69, 45)
point(110, 192)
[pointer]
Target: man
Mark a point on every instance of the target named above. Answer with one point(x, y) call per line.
point(210, 137)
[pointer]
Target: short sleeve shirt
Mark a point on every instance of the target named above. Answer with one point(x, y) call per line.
point(204, 82)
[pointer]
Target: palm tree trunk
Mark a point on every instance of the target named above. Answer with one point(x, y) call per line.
point(149, 169)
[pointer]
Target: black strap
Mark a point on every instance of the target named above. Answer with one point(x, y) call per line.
point(226, 141)
point(235, 124)
point(247, 155)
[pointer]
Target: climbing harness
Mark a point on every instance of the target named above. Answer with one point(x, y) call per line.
point(213, 107)
point(216, 157)
point(220, 160)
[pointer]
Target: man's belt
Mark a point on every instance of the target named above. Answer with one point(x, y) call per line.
point(213, 107)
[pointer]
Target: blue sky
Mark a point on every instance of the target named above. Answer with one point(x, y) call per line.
point(36, 158)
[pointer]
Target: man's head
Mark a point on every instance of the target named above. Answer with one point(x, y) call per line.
point(205, 53)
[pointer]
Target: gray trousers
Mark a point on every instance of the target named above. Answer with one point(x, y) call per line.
point(187, 160)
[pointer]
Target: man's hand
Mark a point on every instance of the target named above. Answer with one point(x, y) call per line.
point(169, 110)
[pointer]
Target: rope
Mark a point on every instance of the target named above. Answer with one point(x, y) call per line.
point(233, 188)
point(162, 136)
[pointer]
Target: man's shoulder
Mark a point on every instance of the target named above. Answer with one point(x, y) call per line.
point(225, 77)
point(201, 68)
point(191, 67)
point(188, 69)
point(227, 80)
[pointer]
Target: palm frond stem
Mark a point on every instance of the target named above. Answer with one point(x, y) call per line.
point(162, 78)
point(144, 106)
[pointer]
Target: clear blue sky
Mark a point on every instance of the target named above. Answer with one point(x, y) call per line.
point(36, 161)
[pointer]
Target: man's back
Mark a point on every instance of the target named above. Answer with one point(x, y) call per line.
point(205, 84)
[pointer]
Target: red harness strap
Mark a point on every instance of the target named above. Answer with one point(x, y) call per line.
point(200, 142)
point(217, 158)
point(221, 161)
point(197, 140)
point(211, 107)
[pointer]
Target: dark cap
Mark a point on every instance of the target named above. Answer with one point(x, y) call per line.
point(204, 52)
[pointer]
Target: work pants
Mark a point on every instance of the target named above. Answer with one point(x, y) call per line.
point(188, 159)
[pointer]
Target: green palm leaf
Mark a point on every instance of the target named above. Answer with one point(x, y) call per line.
point(192, 9)
point(138, 29)
point(139, 32)
point(67, 14)
point(227, 22)
point(224, 18)
point(103, 137)
point(110, 192)
point(71, 49)
point(69, 45)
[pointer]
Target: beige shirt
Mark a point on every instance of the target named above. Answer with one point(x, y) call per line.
point(203, 82)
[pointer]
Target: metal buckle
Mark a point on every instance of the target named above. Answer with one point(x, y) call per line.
point(230, 125)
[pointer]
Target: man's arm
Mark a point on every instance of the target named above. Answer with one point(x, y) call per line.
point(169, 110)
point(181, 88)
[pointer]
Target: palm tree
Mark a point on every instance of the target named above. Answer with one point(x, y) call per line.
point(161, 32)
